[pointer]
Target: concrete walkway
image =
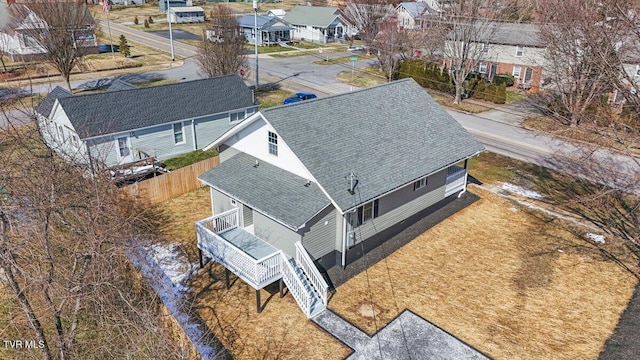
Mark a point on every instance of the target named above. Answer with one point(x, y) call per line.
point(408, 336)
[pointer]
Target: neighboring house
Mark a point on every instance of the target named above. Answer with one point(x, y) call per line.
point(16, 42)
point(514, 49)
point(186, 14)
point(121, 127)
point(320, 24)
point(411, 15)
point(271, 30)
point(277, 13)
point(303, 184)
point(173, 3)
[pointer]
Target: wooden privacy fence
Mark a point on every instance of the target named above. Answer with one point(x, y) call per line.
point(173, 184)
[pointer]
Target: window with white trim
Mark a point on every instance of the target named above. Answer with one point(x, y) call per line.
point(482, 68)
point(273, 143)
point(236, 116)
point(420, 183)
point(367, 212)
point(123, 147)
point(519, 50)
point(516, 71)
point(485, 47)
point(178, 133)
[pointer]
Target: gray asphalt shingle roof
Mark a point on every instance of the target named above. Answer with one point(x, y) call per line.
point(264, 22)
point(320, 16)
point(268, 189)
point(118, 85)
point(510, 34)
point(125, 110)
point(415, 9)
point(388, 136)
point(46, 105)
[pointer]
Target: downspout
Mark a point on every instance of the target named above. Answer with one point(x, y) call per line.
point(344, 240)
point(193, 134)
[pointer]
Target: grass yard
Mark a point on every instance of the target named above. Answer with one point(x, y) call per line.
point(586, 133)
point(466, 106)
point(271, 98)
point(363, 78)
point(188, 159)
point(510, 283)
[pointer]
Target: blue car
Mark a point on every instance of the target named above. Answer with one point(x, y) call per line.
point(299, 97)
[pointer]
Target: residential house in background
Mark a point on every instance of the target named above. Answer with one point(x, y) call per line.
point(186, 14)
point(277, 13)
point(411, 15)
point(271, 29)
point(173, 3)
point(16, 42)
point(320, 24)
point(514, 49)
point(124, 126)
point(316, 182)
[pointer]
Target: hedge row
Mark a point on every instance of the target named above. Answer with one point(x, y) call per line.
point(427, 74)
point(490, 92)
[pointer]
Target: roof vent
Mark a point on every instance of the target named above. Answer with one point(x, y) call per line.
point(308, 183)
point(257, 163)
point(353, 182)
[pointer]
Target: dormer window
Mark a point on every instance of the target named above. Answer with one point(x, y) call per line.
point(273, 143)
point(519, 50)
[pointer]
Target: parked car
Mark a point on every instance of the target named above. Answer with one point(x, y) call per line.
point(299, 97)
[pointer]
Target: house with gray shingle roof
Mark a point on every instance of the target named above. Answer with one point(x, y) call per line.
point(272, 30)
point(411, 15)
point(127, 124)
point(317, 181)
point(320, 24)
point(507, 48)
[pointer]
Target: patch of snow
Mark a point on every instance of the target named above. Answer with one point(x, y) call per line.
point(596, 238)
point(515, 189)
point(173, 263)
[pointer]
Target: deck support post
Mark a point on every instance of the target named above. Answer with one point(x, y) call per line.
point(281, 284)
point(201, 261)
point(258, 307)
point(226, 278)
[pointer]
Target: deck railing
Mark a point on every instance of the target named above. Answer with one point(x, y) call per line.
point(257, 273)
point(295, 286)
point(315, 278)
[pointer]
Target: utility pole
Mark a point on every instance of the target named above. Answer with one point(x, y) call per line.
point(173, 57)
point(255, 38)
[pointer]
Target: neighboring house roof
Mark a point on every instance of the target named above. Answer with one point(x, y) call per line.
point(277, 12)
point(118, 85)
point(268, 189)
point(187, 9)
point(264, 22)
point(388, 136)
point(319, 16)
point(46, 105)
point(118, 111)
point(510, 34)
point(415, 9)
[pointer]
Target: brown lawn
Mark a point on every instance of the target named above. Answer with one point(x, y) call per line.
point(499, 278)
point(507, 282)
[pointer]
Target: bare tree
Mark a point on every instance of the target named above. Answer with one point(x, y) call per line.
point(574, 34)
point(471, 28)
point(57, 28)
point(222, 51)
point(393, 46)
point(63, 237)
point(369, 17)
